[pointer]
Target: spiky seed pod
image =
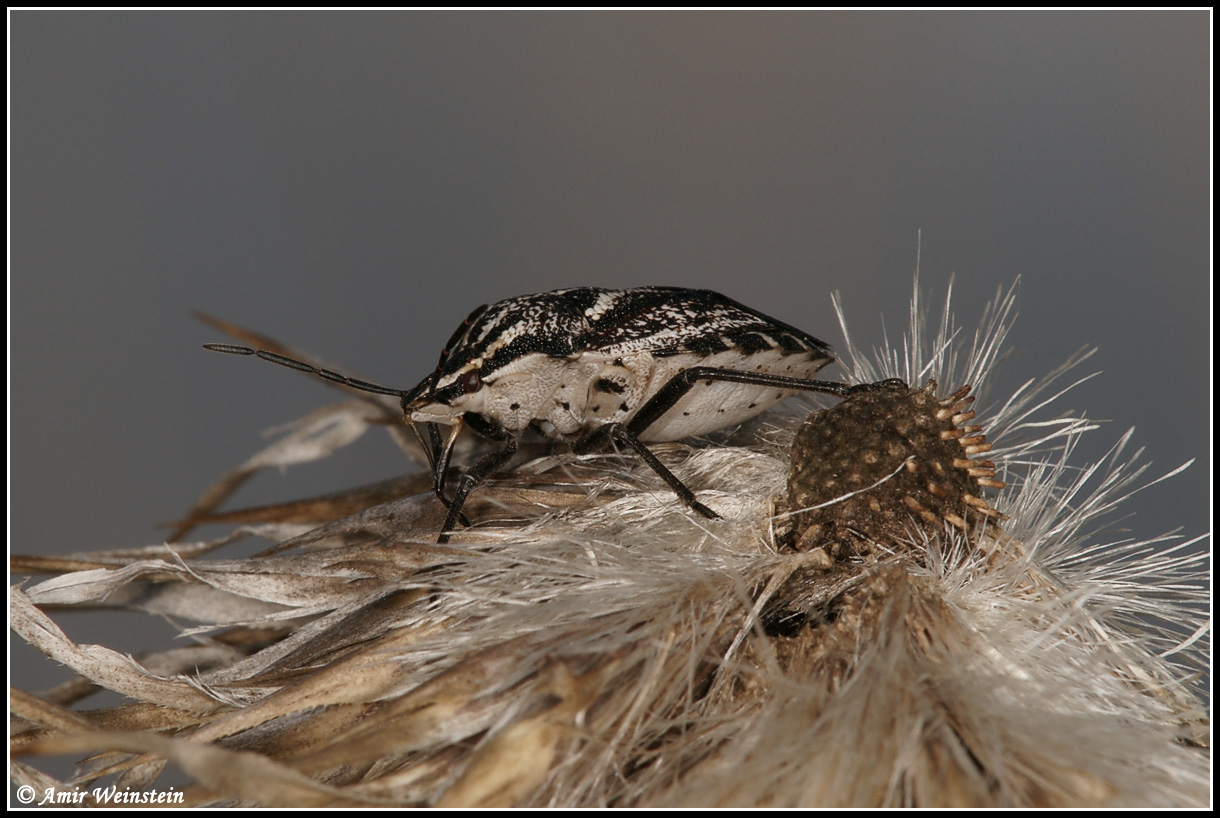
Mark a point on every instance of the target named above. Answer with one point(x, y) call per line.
point(885, 465)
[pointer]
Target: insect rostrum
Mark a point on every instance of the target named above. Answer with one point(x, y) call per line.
point(590, 365)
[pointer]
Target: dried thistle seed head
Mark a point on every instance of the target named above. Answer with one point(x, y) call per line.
point(883, 465)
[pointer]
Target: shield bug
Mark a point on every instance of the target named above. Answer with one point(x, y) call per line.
point(589, 366)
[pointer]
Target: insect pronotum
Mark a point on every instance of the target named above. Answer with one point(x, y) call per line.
point(589, 366)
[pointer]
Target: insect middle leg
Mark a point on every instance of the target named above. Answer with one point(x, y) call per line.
point(620, 433)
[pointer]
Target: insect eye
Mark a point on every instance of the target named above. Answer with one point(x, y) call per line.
point(471, 382)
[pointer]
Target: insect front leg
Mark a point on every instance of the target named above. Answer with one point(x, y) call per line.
point(620, 433)
point(440, 452)
point(471, 478)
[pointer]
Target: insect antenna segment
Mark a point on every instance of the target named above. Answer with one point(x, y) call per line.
point(301, 366)
point(438, 459)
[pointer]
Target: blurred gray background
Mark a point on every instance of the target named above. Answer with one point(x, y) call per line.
point(354, 184)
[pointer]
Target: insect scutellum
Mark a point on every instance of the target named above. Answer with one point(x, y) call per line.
point(589, 366)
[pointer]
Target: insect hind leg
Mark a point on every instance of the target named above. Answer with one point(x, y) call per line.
point(677, 387)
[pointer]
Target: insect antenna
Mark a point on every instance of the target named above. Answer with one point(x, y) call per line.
point(431, 447)
point(407, 395)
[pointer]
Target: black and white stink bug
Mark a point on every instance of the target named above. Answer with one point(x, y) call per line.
point(588, 366)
